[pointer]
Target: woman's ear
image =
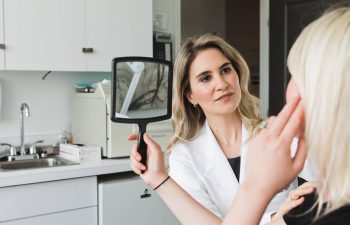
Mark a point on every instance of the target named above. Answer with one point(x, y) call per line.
point(190, 98)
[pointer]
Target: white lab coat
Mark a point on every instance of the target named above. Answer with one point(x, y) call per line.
point(201, 168)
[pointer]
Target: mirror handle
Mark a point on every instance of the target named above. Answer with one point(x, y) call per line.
point(142, 146)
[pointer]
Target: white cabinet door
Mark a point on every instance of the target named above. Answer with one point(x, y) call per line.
point(44, 34)
point(51, 34)
point(85, 216)
point(30, 200)
point(2, 41)
point(119, 202)
point(117, 28)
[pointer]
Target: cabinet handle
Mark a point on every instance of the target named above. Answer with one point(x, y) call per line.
point(88, 50)
point(2, 46)
point(145, 194)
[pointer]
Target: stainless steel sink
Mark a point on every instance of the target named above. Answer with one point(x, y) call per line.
point(34, 163)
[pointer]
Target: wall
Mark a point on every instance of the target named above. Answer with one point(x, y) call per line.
point(171, 8)
point(202, 16)
point(48, 100)
point(242, 32)
point(264, 55)
point(242, 29)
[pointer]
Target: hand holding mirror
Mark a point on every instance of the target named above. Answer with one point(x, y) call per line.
point(141, 93)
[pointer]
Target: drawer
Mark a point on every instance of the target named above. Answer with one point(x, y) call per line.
point(49, 197)
point(86, 216)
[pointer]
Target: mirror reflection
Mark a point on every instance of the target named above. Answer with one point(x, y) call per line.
point(141, 89)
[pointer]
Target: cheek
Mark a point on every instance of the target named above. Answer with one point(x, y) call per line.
point(235, 84)
point(292, 91)
point(200, 93)
point(235, 81)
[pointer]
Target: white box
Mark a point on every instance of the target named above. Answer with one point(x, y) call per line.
point(80, 153)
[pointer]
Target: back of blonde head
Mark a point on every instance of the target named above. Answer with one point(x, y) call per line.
point(319, 62)
point(187, 120)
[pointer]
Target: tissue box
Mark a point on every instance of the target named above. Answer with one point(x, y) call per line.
point(80, 153)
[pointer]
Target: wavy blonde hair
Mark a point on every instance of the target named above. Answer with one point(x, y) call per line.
point(187, 120)
point(319, 62)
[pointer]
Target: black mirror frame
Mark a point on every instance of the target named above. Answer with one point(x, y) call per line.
point(141, 120)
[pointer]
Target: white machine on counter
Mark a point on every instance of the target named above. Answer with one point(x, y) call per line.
point(91, 124)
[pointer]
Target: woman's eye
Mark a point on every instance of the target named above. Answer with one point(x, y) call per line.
point(204, 78)
point(226, 70)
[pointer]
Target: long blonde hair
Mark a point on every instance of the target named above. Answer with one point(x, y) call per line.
point(319, 62)
point(187, 120)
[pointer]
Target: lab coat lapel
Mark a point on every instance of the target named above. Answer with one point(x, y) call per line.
point(244, 151)
point(214, 157)
point(220, 178)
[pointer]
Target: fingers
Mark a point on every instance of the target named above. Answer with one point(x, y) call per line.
point(300, 155)
point(135, 159)
point(296, 202)
point(152, 145)
point(133, 137)
point(135, 153)
point(308, 184)
point(301, 191)
point(295, 124)
point(283, 117)
point(270, 121)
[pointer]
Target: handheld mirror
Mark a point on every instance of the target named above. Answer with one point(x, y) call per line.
point(141, 93)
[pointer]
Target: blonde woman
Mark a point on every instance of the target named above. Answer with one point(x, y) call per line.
point(214, 116)
point(319, 62)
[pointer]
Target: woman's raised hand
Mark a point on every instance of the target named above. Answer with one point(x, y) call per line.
point(270, 166)
point(154, 172)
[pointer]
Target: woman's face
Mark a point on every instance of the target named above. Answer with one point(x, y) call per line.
point(214, 83)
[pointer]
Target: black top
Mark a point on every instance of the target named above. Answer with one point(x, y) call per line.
point(235, 165)
point(298, 216)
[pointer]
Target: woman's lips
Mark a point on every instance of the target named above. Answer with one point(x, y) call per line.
point(224, 97)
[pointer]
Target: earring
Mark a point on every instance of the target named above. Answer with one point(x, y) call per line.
point(195, 105)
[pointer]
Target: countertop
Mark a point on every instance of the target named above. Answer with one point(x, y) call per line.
point(84, 169)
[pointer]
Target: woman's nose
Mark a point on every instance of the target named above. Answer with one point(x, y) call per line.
point(220, 83)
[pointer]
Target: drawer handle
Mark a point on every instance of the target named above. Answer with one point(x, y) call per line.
point(88, 50)
point(2, 46)
point(145, 194)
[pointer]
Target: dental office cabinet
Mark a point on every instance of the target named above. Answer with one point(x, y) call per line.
point(118, 198)
point(79, 35)
point(68, 202)
point(125, 199)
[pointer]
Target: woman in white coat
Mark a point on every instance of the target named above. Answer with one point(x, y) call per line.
point(214, 116)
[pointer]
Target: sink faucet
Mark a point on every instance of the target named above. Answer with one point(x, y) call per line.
point(24, 112)
point(10, 152)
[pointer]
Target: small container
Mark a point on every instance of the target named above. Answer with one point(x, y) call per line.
point(66, 136)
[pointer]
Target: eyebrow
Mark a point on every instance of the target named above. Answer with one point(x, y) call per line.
point(207, 71)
